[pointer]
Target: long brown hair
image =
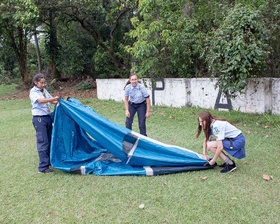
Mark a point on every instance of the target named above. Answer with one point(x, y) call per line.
point(208, 118)
point(128, 82)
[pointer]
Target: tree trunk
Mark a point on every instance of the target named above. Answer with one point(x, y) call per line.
point(38, 53)
point(54, 70)
point(53, 45)
point(22, 55)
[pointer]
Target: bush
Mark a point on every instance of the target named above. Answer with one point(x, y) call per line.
point(84, 85)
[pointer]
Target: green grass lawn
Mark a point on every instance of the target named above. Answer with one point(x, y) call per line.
point(239, 197)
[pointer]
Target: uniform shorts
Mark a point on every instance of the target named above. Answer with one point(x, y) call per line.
point(235, 146)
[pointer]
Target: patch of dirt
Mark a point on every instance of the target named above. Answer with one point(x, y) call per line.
point(66, 89)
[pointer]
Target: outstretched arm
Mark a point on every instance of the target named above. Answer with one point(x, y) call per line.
point(148, 113)
point(127, 114)
point(204, 149)
point(48, 100)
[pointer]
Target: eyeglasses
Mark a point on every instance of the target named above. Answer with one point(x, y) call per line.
point(43, 83)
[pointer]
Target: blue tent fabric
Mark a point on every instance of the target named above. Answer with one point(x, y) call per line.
point(84, 142)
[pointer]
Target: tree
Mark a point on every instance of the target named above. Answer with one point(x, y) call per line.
point(106, 21)
point(48, 23)
point(77, 48)
point(16, 19)
point(238, 49)
point(168, 42)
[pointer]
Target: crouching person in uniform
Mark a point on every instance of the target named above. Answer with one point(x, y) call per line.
point(42, 122)
point(221, 135)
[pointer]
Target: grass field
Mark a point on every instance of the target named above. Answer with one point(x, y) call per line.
point(239, 197)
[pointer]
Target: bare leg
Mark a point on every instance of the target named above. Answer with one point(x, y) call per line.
point(212, 146)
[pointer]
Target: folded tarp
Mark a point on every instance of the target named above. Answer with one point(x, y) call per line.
point(85, 142)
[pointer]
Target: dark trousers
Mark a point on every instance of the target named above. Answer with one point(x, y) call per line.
point(43, 127)
point(141, 109)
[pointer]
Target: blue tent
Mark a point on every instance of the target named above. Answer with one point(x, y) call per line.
point(85, 142)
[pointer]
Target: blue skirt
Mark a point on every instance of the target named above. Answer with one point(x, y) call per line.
point(235, 146)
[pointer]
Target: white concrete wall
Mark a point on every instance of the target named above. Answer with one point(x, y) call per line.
point(275, 98)
point(203, 93)
point(257, 97)
point(261, 95)
point(175, 93)
point(110, 89)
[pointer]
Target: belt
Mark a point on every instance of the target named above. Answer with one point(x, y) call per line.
point(230, 139)
point(42, 115)
point(136, 103)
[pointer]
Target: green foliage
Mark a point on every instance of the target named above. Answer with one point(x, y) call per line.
point(238, 49)
point(7, 63)
point(270, 11)
point(3, 79)
point(76, 51)
point(51, 46)
point(167, 40)
point(103, 64)
point(232, 40)
point(106, 22)
point(32, 61)
point(210, 14)
point(19, 13)
point(84, 85)
point(17, 20)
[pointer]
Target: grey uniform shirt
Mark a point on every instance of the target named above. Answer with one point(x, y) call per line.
point(137, 94)
point(39, 109)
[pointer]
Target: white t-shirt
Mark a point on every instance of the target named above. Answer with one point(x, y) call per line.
point(224, 129)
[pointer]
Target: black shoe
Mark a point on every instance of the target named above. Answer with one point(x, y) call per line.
point(223, 165)
point(46, 171)
point(229, 168)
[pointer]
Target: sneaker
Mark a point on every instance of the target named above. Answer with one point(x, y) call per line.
point(229, 168)
point(223, 165)
point(46, 171)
